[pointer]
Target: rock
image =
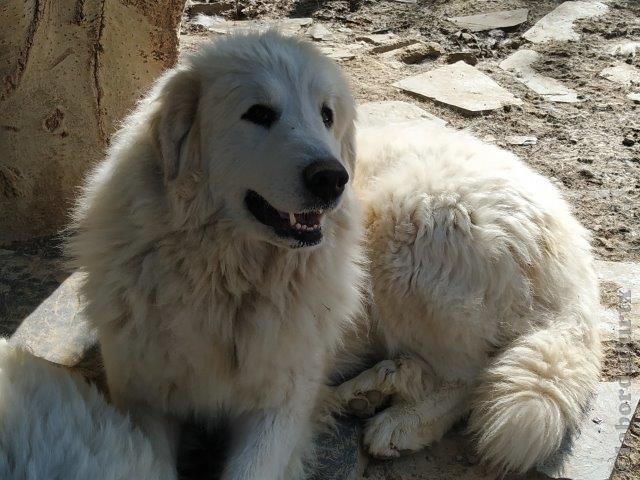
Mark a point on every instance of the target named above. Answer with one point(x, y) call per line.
point(557, 25)
point(624, 49)
point(393, 45)
point(461, 86)
point(319, 32)
point(56, 330)
point(377, 38)
point(375, 114)
point(337, 53)
point(521, 140)
point(413, 2)
point(628, 142)
point(419, 52)
point(466, 57)
point(548, 88)
point(492, 20)
point(210, 9)
point(592, 453)
point(623, 74)
point(339, 454)
point(634, 96)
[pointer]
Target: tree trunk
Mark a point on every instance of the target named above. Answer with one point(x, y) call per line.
point(69, 70)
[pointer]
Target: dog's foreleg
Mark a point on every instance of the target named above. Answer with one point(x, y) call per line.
point(408, 426)
point(264, 444)
point(407, 379)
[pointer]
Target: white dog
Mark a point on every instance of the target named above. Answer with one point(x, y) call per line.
point(483, 295)
point(221, 241)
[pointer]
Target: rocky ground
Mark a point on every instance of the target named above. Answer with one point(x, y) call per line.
point(589, 143)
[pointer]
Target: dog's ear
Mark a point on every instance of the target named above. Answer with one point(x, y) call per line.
point(177, 102)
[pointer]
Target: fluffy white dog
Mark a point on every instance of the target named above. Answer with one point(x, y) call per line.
point(221, 241)
point(483, 296)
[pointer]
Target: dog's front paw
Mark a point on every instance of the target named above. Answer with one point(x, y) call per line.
point(394, 432)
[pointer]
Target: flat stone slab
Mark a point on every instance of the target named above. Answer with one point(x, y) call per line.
point(56, 330)
point(593, 453)
point(492, 20)
point(521, 140)
point(377, 114)
point(622, 322)
point(624, 49)
point(557, 25)
point(461, 86)
point(623, 74)
point(548, 88)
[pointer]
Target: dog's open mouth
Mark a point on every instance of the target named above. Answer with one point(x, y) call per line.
point(305, 227)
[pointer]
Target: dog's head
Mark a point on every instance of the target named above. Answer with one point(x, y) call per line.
point(266, 123)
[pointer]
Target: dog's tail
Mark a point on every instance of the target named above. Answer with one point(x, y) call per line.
point(535, 393)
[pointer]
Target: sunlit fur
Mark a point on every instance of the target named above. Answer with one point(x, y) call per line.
point(201, 310)
point(483, 293)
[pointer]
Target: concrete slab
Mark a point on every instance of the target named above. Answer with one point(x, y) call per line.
point(57, 330)
point(624, 74)
point(492, 20)
point(376, 114)
point(461, 86)
point(592, 454)
point(548, 88)
point(557, 25)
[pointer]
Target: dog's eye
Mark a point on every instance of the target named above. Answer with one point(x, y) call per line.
point(261, 115)
point(327, 116)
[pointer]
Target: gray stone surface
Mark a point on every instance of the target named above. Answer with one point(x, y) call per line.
point(592, 454)
point(557, 25)
point(375, 114)
point(623, 74)
point(461, 86)
point(548, 88)
point(624, 49)
point(339, 454)
point(492, 20)
point(56, 330)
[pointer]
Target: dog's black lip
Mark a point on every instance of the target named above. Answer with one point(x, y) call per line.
point(266, 214)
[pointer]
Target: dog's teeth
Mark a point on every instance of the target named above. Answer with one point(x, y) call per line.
point(292, 218)
point(298, 226)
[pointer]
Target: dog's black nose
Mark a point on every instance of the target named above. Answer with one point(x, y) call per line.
point(326, 179)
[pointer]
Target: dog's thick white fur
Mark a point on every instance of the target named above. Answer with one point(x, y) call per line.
point(55, 426)
point(484, 296)
point(202, 310)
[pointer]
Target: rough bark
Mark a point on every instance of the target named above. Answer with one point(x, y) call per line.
point(69, 71)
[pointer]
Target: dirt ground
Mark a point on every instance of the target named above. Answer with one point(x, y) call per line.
point(591, 149)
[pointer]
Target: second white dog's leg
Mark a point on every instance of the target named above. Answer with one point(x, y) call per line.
point(264, 443)
point(408, 426)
